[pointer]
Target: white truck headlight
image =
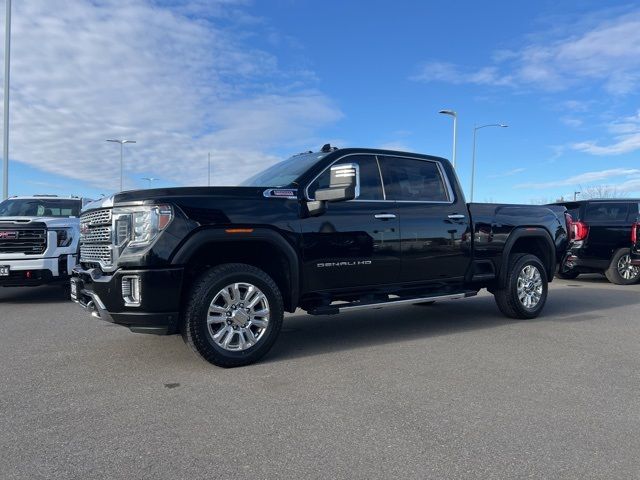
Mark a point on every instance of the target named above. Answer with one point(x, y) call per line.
point(64, 236)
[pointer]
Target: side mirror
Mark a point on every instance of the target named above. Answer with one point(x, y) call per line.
point(343, 185)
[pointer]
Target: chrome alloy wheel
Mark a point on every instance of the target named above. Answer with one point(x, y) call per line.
point(238, 316)
point(529, 286)
point(625, 269)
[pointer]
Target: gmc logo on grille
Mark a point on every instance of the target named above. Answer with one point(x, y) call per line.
point(8, 235)
point(84, 228)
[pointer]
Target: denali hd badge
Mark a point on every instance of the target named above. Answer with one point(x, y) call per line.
point(344, 264)
point(289, 193)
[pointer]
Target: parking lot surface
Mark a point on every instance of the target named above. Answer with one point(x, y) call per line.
point(452, 390)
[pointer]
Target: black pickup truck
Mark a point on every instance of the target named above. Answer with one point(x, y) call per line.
point(600, 231)
point(329, 231)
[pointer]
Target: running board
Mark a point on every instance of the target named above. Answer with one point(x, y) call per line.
point(345, 307)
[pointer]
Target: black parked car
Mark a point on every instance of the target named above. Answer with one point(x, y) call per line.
point(601, 232)
point(329, 231)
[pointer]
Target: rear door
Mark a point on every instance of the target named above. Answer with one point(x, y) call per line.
point(354, 243)
point(434, 223)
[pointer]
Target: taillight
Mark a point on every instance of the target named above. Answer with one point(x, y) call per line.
point(579, 231)
point(569, 221)
point(634, 232)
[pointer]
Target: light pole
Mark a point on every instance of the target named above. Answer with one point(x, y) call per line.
point(150, 180)
point(5, 146)
point(121, 142)
point(575, 195)
point(473, 158)
point(453, 114)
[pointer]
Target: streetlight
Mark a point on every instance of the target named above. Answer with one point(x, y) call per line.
point(473, 160)
point(121, 142)
point(453, 114)
point(5, 146)
point(575, 195)
point(150, 180)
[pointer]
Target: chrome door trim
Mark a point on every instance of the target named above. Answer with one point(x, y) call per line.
point(445, 178)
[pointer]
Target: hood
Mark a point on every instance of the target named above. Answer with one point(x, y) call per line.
point(169, 194)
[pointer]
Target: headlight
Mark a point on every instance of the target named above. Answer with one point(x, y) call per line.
point(138, 227)
point(64, 235)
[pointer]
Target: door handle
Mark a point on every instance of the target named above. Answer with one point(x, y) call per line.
point(385, 216)
point(456, 216)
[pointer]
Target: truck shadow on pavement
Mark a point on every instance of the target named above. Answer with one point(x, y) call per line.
point(305, 335)
point(31, 295)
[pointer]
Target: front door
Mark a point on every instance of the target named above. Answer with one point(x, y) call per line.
point(354, 243)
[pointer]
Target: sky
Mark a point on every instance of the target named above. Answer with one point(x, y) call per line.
point(253, 82)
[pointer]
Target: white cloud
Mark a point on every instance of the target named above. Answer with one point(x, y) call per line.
point(626, 138)
point(180, 85)
point(571, 122)
point(608, 52)
point(450, 73)
point(625, 144)
point(584, 178)
point(509, 173)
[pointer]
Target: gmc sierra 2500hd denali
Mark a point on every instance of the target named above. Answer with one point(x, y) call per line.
point(326, 232)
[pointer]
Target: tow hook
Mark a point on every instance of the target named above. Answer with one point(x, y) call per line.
point(91, 306)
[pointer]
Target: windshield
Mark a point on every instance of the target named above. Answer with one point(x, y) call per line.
point(284, 173)
point(39, 207)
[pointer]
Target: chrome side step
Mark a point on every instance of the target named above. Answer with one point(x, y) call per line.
point(344, 307)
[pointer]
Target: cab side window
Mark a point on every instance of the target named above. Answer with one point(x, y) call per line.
point(370, 183)
point(413, 180)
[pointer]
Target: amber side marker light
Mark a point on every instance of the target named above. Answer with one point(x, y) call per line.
point(239, 230)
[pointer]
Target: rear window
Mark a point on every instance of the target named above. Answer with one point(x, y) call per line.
point(634, 212)
point(607, 212)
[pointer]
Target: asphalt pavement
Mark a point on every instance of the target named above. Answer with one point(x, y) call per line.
point(452, 390)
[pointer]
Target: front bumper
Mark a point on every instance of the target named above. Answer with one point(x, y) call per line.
point(37, 271)
point(101, 295)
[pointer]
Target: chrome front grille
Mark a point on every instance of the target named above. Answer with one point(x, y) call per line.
point(96, 254)
point(96, 217)
point(96, 237)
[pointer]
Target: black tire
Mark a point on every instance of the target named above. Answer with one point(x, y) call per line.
point(615, 275)
point(507, 298)
point(195, 330)
point(568, 274)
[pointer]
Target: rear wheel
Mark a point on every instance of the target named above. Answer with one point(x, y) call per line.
point(620, 271)
point(525, 292)
point(234, 315)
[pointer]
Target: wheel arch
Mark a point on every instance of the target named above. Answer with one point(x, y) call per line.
point(260, 247)
point(534, 240)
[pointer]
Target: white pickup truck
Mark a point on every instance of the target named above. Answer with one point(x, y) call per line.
point(38, 239)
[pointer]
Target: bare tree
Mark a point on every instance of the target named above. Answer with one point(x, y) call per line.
point(601, 191)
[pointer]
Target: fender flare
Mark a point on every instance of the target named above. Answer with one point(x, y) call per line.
point(527, 232)
point(212, 235)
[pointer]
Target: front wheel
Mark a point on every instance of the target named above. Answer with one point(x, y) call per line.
point(233, 315)
point(525, 292)
point(620, 271)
